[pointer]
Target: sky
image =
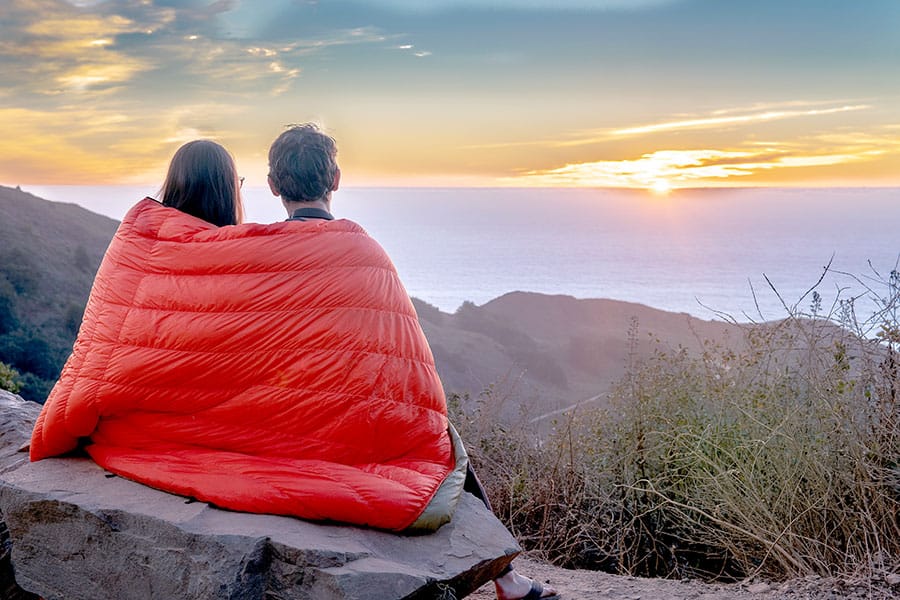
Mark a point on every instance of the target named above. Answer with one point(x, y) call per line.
point(654, 94)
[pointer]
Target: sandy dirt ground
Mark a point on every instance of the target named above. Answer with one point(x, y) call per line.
point(592, 585)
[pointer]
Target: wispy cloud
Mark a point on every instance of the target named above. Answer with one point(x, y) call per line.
point(84, 77)
point(719, 121)
point(793, 104)
point(716, 119)
point(261, 52)
point(411, 48)
point(355, 36)
point(78, 26)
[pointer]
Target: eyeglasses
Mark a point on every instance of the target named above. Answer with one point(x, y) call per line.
point(240, 182)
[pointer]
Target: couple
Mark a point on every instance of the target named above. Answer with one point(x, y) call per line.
point(264, 368)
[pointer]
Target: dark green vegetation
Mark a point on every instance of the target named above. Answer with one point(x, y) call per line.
point(49, 253)
point(779, 457)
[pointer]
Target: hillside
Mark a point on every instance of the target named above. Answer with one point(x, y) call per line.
point(48, 258)
point(552, 352)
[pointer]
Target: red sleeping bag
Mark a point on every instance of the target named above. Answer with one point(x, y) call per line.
point(262, 368)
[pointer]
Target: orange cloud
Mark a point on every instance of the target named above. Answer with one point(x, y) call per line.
point(41, 146)
point(683, 168)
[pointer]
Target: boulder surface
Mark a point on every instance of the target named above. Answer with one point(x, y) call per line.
point(77, 532)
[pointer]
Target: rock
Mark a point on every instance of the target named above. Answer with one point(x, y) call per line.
point(759, 588)
point(78, 534)
point(16, 420)
point(9, 589)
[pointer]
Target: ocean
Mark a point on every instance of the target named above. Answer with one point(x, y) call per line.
point(703, 252)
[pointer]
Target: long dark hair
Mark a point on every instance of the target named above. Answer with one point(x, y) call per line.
point(202, 181)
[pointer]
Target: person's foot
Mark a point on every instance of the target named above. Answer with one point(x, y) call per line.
point(513, 586)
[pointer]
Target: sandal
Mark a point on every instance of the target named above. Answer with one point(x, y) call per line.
point(536, 593)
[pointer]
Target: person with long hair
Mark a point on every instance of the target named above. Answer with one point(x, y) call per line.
point(202, 181)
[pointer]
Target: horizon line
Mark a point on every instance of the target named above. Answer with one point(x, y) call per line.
point(22, 186)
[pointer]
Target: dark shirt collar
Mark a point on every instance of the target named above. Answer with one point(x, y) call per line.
point(310, 212)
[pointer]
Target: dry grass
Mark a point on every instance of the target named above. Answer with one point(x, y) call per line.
point(781, 459)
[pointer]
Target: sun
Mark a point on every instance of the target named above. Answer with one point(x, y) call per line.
point(660, 187)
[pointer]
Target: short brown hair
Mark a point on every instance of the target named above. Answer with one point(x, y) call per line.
point(302, 163)
point(202, 181)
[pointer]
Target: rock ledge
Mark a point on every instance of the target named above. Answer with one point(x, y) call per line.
point(77, 532)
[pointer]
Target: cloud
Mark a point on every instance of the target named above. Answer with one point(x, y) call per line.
point(56, 48)
point(83, 77)
point(43, 145)
point(685, 168)
point(339, 37)
point(643, 172)
point(262, 52)
point(105, 91)
point(127, 48)
point(411, 48)
point(767, 106)
point(78, 144)
point(79, 27)
point(713, 122)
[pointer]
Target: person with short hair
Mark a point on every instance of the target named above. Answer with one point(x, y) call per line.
point(303, 173)
point(303, 165)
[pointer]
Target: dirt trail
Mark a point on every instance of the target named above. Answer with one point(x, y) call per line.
point(592, 585)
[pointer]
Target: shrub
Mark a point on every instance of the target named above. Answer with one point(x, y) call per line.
point(780, 459)
point(777, 459)
point(34, 388)
point(9, 378)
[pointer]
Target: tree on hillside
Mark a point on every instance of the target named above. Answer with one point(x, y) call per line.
point(82, 261)
point(19, 270)
point(9, 378)
point(8, 319)
point(38, 364)
point(72, 319)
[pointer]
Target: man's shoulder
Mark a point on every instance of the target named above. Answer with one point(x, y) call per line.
point(335, 225)
point(338, 227)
